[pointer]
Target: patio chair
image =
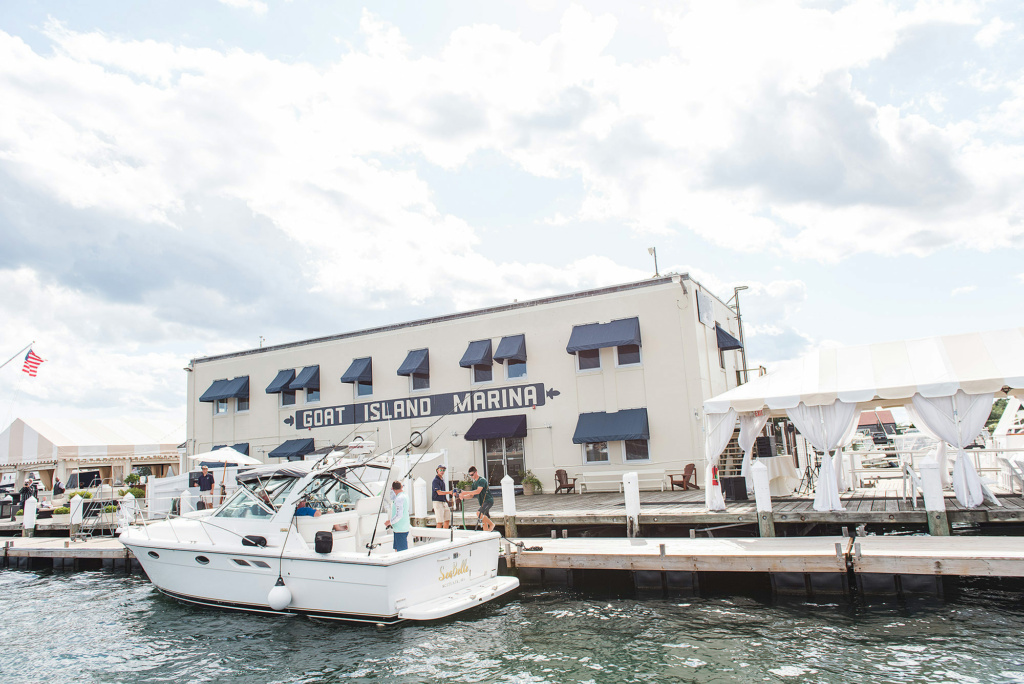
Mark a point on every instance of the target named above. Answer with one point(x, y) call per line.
point(688, 480)
point(563, 481)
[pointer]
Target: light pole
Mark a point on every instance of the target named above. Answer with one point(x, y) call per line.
point(653, 251)
point(739, 324)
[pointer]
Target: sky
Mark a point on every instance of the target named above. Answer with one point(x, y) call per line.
point(180, 178)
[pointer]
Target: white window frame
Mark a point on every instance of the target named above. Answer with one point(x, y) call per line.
point(636, 460)
point(239, 409)
point(413, 388)
point(588, 370)
point(307, 400)
point(526, 370)
point(472, 375)
point(280, 398)
point(355, 389)
point(639, 350)
point(220, 407)
point(607, 452)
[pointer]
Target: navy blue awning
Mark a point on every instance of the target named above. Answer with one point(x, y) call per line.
point(477, 354)
point(417, 362)
point(242, 448)
point(512, 347)
point(361, 370)
point(726, 342)
point(293, 449)
point(612, 427)
point(281, 382)
point(308, 378)
point(227, 389)
point(498, 426)
point(601, 335)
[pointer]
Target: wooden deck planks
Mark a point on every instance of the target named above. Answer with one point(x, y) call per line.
point(922, 555)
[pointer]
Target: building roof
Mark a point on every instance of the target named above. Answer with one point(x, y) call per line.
point(870, 418)
point(612, 289)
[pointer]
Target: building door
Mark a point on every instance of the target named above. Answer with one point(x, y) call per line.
point(504, 455)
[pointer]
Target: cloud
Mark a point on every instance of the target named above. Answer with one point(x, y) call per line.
point(255, 6)
point(964, 289)
point(992, 32)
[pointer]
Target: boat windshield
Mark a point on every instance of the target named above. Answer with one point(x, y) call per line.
point(339, 490)
point(245, 504)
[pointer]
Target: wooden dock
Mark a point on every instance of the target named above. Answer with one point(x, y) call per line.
point(63, 553)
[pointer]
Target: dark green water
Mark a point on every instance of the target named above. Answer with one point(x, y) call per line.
point(105, 627)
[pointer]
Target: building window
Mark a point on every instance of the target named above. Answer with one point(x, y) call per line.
point(288, 398)
point(312, 396)
point(629, 354)
point(636, 450)
point(588, 359)
point(483, 373)
point(220, 406)
point(364, 389)
point(241, 404)
point(420, 381)
point(515, 369)
point(595, 452)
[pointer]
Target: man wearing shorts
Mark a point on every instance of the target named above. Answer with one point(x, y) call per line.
point(483, 495)
point(442, 514)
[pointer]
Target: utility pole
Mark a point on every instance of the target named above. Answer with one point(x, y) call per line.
point(653, 251)
point(739, 324)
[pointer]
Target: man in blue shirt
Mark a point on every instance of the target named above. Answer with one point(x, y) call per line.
point(398, 521)
point(303, 508)
point(442, 514)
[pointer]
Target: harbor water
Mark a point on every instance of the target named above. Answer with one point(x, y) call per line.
point(107, 627)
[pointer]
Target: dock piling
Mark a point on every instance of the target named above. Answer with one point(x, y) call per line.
point(763, 500)
point(934, 501)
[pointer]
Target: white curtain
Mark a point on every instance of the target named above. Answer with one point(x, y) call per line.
point(941, 455)
point(825, 427)
point(958, 420)
point(751, 425)
point(720, 427)
point(837, 459)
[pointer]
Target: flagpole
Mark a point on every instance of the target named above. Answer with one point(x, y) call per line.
point(18, 354)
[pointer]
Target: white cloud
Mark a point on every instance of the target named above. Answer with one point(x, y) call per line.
point(255, 5)
point(964, 289)
point(992, 32)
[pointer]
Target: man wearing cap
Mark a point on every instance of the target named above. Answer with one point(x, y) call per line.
point(206, 488)
point(442, 513)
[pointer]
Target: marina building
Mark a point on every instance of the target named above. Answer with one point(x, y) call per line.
point(595, 382)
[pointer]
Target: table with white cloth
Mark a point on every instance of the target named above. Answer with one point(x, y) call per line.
point(783, 476)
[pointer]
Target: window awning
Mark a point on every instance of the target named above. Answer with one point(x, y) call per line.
point(293, 449)
point(612, 427)
point(281, 382)
point(601, 335)
point(242, 448)
point(512, 348)
point(227, 389)
point(417, 362)
point(308, 378)
point(726, 342)
point(360, 370)
point(477, 354)
point(498, 426)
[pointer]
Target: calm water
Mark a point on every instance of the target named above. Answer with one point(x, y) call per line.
point(105, 627)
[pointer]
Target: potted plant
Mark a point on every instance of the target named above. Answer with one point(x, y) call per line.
point(532, 484)
point(61, 515)
point(132, 479)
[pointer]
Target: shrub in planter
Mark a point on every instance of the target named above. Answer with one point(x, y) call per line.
point(61, 510)
point(132, 479)
point(137, 492)
point(83, 494)
point(19, 513)
point(532, 483)
point(111, 508)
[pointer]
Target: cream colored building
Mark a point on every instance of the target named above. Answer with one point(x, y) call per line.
point(605, 380)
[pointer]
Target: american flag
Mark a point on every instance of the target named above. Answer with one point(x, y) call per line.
point(32, 361)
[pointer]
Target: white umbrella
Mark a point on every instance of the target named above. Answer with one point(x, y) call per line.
point(226, 455)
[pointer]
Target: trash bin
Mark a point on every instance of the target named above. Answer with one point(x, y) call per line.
point(734, 488)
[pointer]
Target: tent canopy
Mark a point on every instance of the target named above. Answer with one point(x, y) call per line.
point(886, 374)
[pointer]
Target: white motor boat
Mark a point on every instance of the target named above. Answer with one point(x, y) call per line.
point(254, 554)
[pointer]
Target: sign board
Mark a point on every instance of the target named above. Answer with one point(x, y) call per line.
point(473, 401)
point(705, 309)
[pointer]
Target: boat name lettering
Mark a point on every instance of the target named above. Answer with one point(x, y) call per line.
point(473, 401)
point(453, 571)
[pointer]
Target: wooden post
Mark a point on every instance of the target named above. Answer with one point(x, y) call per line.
point(511, 531)
point(508, 506)
point(763, 499)
point(934, 501)
point(631, 491)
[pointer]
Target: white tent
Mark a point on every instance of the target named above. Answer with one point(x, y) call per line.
point(946, 384)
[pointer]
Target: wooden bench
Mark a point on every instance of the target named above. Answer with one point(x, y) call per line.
point(614, 477)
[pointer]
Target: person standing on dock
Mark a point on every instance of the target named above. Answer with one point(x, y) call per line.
point(439, 497)
point(398, 521)
point(206, 488)
point(483, 495)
